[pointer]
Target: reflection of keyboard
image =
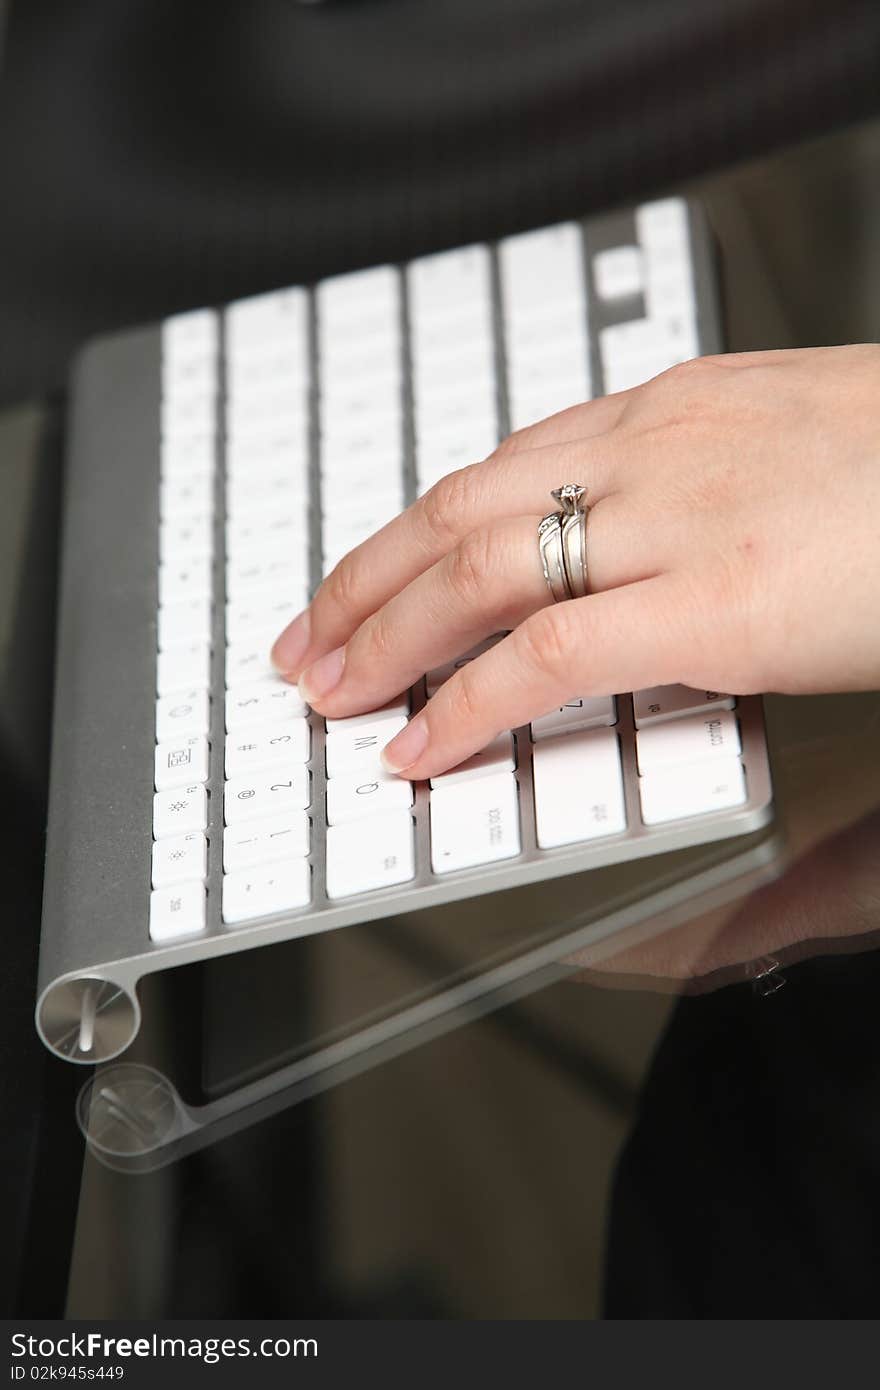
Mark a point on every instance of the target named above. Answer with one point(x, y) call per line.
point(202, 455)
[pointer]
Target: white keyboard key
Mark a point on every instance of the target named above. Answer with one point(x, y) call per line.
point(183, 667)
point(693, 790)
point(258, 322)
point(672, 701)
point(262, 610)
point(441, 674)
point(274, 487)
point(183, 541)
point(395, 709)
point(190, 374)
point(618, 272)
point(284, 570)
point(363, 856)
point(267, 746)
point(189, 579)
point(182, 714)
point(357, 750)
point(177, 911)
point(180, 859)
point(690, 740)
point(580, 713)
point(265, 841)
point(262, 702)
point(275, 529)
point(440, 284)
point(185, 623)
point(187, 496)
point(627, 374)
point(250, 661)
point(343, 298)
point(498, 756)
point(180, 762)
point(284, 445)
point(474, 822)
point(186, 455)
point(187, 414)
point(354, 796)
point(282, 360)
point(193, 330)
point(578, 788)
point(647, 344)
point(262, 891)
point(541, 267)
point(247, 421)
point(285, 788)
point(180, 811)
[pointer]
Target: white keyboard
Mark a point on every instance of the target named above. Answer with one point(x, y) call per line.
point(196, 806)
point(398, 377)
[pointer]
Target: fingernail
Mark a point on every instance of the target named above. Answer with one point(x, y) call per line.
point(323, 676)
point(410, 743)
point(290, 647)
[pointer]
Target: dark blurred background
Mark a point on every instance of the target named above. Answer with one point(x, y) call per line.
point(157, 154)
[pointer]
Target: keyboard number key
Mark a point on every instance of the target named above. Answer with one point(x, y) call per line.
point(286, 788)
point(263, 841)
point(267, 746)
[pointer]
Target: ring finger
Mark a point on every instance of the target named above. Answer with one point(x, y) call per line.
point(491, 581)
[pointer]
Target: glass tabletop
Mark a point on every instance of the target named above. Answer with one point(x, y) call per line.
point(592, 1084)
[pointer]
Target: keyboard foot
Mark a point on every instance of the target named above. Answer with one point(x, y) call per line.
point(87, 1019)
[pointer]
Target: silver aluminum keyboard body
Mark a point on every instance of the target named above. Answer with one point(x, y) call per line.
point(96, 941)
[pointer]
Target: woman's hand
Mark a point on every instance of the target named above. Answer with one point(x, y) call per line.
point(733, 544)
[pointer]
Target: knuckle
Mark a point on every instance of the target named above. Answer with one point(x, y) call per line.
point(445, 506)
point(515, 443)
point(342, 586)
point(473, 563)
point(378, 637)
point(547, 641)
point(465, 705)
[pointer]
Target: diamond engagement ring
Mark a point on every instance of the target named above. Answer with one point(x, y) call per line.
point(562, 541)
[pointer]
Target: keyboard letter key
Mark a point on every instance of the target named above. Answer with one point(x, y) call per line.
point(363, 856)
point(578, 788)
point(695, 790)
point(474, 822)
point(698, 739)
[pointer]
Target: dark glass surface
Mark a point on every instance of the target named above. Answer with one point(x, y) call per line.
point(460, 1161)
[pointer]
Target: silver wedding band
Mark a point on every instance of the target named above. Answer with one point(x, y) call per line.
point(562, 541)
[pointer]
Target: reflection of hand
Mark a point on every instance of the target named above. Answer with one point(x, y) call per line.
point(827, 901)
point(732, 546)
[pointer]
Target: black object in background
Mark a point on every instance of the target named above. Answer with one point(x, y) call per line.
point(159, 154)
